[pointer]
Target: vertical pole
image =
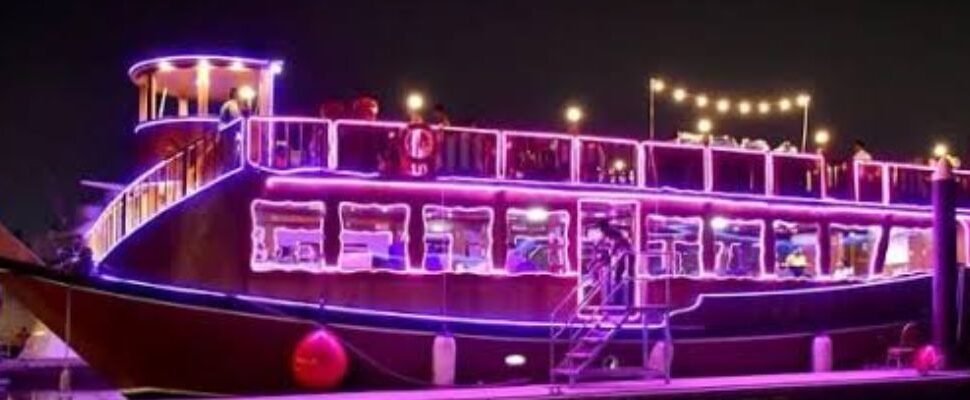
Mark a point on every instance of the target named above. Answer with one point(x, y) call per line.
point(824, 249)
point(768, 251)
point(944, 261)
point(805, 127)
point(708, 246)
point(651, 111)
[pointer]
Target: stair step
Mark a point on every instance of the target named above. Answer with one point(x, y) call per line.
point(566, 371)
point(579, 354)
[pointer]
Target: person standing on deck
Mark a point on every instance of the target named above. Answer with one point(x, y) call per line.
point(614, 253)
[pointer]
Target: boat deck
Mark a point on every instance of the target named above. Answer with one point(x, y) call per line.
point(830, 385)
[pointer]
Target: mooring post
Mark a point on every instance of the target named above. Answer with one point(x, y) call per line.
point(944, 262)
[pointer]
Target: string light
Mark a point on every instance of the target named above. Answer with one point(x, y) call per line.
point(941, 150)
point(704, 125)
point(573, 114)
point(764, 107)
point(723, 106)
point(744, 107)
point(701, 101)
point(784, 104)
point(822, 137)
point(680, 94)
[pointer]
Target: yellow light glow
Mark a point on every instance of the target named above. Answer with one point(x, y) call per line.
point(784, 105)
point(680, 94)
point(802, 100)
point(723, 105)
point(573, 114)
point(822, 137)
point(764, 107)
point(247, 93)
point(657, 85)
point(701, 101)
point(237, 66)
point(619, 165)
point(744, 107)
point(414, 102)
point(941, 150)
point(704, 125)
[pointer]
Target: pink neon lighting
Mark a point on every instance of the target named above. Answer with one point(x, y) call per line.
point(871, 272)
point(634, 239)
point(195, 58)
point(733, 222)
point(697, 222)
point(815, 244)
point(831, 208)
point(175, 121)
point(258, 236)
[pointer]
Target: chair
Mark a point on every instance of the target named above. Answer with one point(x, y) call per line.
point(908, 340)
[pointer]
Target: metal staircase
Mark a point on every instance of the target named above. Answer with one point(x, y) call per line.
point(581, 330)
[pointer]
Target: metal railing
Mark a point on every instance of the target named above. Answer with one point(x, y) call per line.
point(167, 183)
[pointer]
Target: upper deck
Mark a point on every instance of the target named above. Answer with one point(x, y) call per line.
point(288, 145)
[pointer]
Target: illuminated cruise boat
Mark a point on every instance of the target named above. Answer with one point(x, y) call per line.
point(415, 245)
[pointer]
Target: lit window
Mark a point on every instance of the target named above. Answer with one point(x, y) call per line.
point(287, 235)
point(852, 250)
point(537, 241)
point(672, 245)
point(373, 236)
point(457, 238)
point(910, 250)
point(796, 249)
point(738, 247)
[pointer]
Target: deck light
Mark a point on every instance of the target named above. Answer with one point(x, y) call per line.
point(701, 101)
point(537, 214)
point(573, 114)
point(276, 67)
point(414, 102)
point(165, 66)
point(514, 360)
point(246, 93)
point(704, 125)
point(680, 94)
point(237, 66)
point(941, 150)
point(657, 85)
point(802, 100)
point(723, 105)
point(822, 137)
point(719, 223)
point(744, 107)
point(619, 165)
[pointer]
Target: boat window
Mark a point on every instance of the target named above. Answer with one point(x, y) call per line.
point(797, 175)
point(287, 235)
point(869, 181)
point(852, 250)
point(367, 147)
point(737, 246)
point(621, 217)
point(674, 166)
point(373, 236)
point(288, 144)
point(671, 245)
point(538, 158)
point(910, 250)
point(457, 238)
point(537, 241)
point(738, 171)
point(796, 249)
point(604, 162)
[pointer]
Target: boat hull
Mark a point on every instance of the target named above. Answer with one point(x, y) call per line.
point(142, 337)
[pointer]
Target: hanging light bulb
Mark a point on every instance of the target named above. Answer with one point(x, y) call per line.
point(680, 94)
point(764, 107)
point(784, 104)
point(744, 107)
point(723, 106)
point(657, 85)
point(701, 101)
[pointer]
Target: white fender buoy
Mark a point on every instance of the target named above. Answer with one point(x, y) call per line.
point(660, 355)
point(822, 353)
point(444, 353)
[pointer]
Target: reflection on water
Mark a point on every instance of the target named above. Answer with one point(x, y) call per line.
point(57, 395)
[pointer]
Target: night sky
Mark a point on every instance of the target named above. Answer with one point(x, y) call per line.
point(894, 75)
